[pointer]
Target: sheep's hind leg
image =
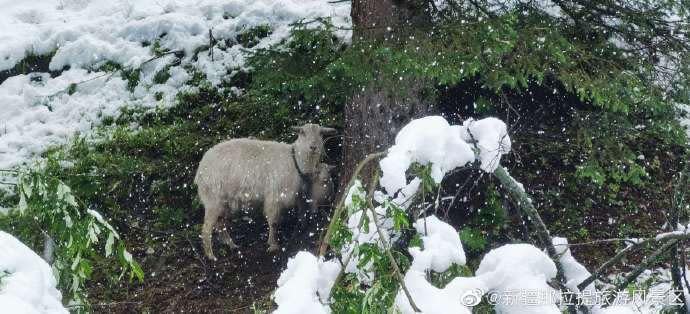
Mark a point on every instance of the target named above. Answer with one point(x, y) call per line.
point(211, 214)
point(225, 234)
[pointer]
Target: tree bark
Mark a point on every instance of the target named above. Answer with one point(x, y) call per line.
point(48, 249)
point(375, 113)
point(372, 119)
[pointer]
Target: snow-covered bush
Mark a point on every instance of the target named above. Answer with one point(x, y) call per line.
point(377, 276)
point(49, 216)
point(383, 262)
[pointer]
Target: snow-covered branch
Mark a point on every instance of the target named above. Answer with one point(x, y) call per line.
point(372, 222)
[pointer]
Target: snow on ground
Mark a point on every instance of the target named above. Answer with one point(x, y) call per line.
point(39, 110)
point(27, 284)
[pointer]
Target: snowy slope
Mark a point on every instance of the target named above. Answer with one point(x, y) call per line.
point(37, 111)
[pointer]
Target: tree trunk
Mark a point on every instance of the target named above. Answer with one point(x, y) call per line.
point(48, 249)
point(372, 119)
point(375, 114)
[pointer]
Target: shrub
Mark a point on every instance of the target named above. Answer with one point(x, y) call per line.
point(48, 205)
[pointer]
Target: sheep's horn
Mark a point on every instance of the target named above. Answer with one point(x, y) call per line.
point(328, 131)
point(295, 128)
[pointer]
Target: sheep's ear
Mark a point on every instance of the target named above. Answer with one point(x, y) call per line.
point(330, 168)
point(328, 131)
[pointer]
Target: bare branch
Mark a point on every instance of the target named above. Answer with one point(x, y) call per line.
point(599, 271)
point(524, 202)
point(396, 269)
point(638, 270)
point(341, 203)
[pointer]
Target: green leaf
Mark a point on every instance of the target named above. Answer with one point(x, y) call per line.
point(72, 88)
point(399, 216)
point(26, 188)
point(68, 221)
point(473, 239)
point(109, 244)
point(136, 270)
point(365, 221)
point(127, 256)
point(76, 261)
point(22, 206)
point(416, 241)
point(48, 203)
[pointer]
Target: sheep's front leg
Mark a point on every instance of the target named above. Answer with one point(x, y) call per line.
point(271, 210)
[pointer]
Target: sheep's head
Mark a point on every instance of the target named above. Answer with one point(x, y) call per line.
point(322, 189)
point(309, 147)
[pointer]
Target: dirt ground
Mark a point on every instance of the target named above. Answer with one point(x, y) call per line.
point(179, 279)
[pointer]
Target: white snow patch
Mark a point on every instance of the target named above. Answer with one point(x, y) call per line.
point(680, 231)
point(38, 113)
point(684, 118)
point(441, 243)
point(356, 190)
point(304, 287)
point(84, 34)
point(442, 248)
point(546, 6)
point(425, 140)
point(491, 137)
point(504, 271)
point(433, 300)
point(28, 285)
point(405, 195)
point(616, 309)
point(365, 235)
point(432, 140)
point(574, 272)
point(656, 296)
point(520, 267)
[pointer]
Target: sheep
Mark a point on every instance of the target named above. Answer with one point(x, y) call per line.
point(321, 191)
point(247, 173)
